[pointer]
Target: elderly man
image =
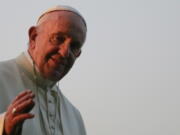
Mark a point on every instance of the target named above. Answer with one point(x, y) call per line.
point(31, 102)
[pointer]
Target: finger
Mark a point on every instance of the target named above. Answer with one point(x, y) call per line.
point(20, 118)
point(22, 94)
point(25, 106)
point(29, 108)
point(24, 98)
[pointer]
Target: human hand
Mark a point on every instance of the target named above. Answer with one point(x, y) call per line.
point(18, 111)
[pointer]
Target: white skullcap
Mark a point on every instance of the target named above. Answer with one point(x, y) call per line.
point(62, 8)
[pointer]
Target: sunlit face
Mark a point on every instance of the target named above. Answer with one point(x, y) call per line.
point(56, 43)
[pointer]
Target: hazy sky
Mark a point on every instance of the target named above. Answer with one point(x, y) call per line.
point(127, 80)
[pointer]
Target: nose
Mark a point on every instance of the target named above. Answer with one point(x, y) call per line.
point(65, 48)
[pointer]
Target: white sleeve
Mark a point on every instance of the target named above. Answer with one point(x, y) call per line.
point(2, 116)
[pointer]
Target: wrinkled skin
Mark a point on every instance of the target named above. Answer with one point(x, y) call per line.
point(54, 45)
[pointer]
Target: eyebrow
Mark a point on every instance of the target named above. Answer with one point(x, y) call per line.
point(65, 34)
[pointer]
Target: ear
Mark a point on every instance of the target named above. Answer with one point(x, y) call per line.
point(32, 36)
point(79, 53)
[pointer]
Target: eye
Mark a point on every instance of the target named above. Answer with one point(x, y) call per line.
point(57, 39)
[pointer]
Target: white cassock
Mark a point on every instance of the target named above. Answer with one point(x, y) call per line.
point(54, 114)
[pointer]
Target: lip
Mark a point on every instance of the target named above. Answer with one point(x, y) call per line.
point(58, 60)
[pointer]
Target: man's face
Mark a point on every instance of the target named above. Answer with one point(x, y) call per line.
point(56, 43)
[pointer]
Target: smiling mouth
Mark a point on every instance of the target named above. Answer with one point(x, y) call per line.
point(58, 60)
point(56, 57)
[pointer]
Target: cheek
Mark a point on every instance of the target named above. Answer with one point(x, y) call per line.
point(40, 58)
point(71, 58)
point(71, 62)
point(41, 49)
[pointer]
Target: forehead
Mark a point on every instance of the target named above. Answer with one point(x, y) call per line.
point(63, 21)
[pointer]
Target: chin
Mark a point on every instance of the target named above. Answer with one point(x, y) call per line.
point(56, 76)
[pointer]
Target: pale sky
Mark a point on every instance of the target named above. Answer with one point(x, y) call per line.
point(126, 81)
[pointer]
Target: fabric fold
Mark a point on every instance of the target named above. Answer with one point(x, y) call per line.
point(2, 117)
